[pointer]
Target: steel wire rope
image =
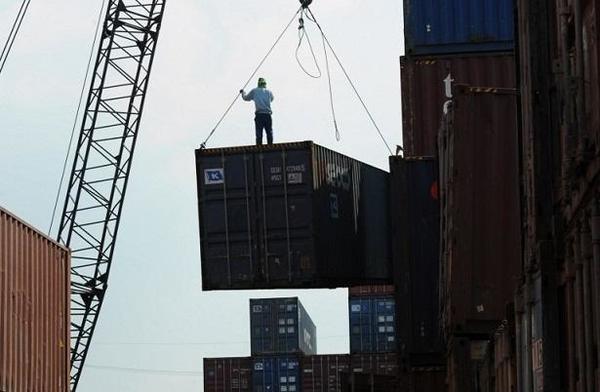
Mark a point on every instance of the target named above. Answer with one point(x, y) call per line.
point(10, 40)
point(75, 122)
point(301, 34)
point(203, 145)
point(314, 19)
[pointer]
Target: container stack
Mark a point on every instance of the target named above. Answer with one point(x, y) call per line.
point(284, 356)
point(459, 117)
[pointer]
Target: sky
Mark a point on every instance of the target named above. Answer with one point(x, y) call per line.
point(156, 323)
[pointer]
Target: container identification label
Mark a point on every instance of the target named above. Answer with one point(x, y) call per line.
point(214, 176)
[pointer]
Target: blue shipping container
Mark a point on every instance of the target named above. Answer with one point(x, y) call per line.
point(276, 374)
point(458, 26)
point(372, 325)
point(281, 326)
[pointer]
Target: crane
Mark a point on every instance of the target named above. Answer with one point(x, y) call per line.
point(102, 160)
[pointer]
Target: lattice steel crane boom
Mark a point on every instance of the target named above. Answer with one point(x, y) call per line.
point(103, 156)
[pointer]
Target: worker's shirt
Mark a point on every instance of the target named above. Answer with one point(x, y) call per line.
point(262, 99)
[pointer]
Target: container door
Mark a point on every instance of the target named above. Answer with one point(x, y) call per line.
point(284, 217)
point(227, 216)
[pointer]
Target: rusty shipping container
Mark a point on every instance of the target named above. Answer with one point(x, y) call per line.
point(324, 373)
point(293, 215)
point(479, 193)
point(467, 371)
point(34, 309)
point(377, 363)
point(425, 90)
point(228, 374)
point(414, 204)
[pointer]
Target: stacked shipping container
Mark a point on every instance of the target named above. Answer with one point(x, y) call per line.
point(372, 313)
point(558, 305)
point(453, 43)
point(281, 326)
point(34, 304)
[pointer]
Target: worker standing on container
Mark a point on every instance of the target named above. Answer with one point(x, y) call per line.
point(262, 101)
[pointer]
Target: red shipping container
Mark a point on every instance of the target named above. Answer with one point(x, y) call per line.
point(424, 91)
point(34, 309)
point(480, 220)
point(371, 291)
point(379, 364)
point(227, 374)
point(324, 373)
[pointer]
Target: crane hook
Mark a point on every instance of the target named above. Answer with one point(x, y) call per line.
point(305, 3)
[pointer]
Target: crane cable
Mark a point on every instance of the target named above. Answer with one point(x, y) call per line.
point(301, 34)
point(10, 40)
point(330, 89)
point(203, 145)
point(75, 122)
point(326, 40)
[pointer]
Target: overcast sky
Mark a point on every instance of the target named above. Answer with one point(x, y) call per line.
point(155, 317)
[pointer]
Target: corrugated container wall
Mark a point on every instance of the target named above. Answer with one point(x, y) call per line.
point(458, 26)
point(34, 309)
point(293, 215)
point(414, 204)
point(426, 88)
point(277, 374)
point(480, 248)
point(281, 326)
point(324, 373)
point(372, 324)
point(227, 374)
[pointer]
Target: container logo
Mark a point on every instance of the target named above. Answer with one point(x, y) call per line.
point(338, 177)
point(334, 206)
point(258, 366)
point(307, 339)
point(214, 176)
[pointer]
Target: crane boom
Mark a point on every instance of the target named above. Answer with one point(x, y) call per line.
point(103, 157)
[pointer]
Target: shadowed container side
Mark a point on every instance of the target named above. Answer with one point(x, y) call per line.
point(480, 248)
point(281, 326)
point(227, 374)
point(425, 90)
point(458, 26)
point(293, 215)
point(34, 309)
point(414, 204)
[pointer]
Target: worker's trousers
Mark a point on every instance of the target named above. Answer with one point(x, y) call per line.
point(263, 121)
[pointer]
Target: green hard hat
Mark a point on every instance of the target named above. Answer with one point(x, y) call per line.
point(262, 82)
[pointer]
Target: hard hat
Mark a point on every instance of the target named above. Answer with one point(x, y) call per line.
point(262, 82)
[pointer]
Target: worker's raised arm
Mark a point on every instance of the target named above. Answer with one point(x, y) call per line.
point(247, 97)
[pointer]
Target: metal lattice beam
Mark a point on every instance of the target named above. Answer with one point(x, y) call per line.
point(104, 152)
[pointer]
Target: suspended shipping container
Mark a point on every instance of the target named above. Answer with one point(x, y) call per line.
point(293, 215)
point(34, 309)
point(324, 373)
point(227, 374)
point(426, 87)
point(277, 374)
point(414, 205)
point(281, 326)
point(458, 26)
point(480, 259)
point(372, 324)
